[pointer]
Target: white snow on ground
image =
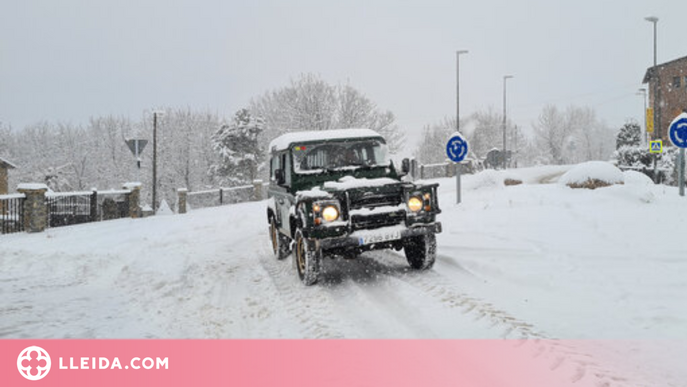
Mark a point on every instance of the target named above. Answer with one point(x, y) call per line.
point(534, 260)
point(593, 170)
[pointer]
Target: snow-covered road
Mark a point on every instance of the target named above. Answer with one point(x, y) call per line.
point(529, 261)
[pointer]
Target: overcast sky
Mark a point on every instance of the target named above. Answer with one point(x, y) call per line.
point(68, 60)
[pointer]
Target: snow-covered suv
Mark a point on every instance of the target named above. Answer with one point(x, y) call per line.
point(337, 193)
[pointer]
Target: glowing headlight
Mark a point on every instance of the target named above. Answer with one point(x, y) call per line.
point(330, 213)
point(415, 204)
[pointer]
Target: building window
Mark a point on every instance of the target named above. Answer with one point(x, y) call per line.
point(676, 82)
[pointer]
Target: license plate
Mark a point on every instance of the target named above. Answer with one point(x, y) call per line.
point(381, 237)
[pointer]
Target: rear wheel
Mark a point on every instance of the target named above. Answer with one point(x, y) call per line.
point(421, 251)
point(308, 259)
point(280, 243)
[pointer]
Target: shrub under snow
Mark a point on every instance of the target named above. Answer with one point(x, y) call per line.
point(592, 174)
point(636, 178)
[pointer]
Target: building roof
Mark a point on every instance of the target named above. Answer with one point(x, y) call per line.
point(285, 140)
point(650, 71)
point(6, 163)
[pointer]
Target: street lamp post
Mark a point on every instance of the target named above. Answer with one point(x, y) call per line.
point(505, 78)
point(458, 168)
point(642, 92)
point(657, 96)
point(458, 53)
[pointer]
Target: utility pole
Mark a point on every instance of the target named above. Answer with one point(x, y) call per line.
point(657, 96)
point(458, 167)
point(155, 114)
point(505, 78)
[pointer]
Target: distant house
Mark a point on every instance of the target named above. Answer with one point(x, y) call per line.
point(671, 80)
point(5, 166)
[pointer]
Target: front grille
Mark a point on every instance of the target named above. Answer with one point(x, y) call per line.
point(363, 221)
point(368, 222)
point(371, 201)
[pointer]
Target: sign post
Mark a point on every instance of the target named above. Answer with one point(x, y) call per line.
point(456, 150)
point(136, 146)
point(678, 136)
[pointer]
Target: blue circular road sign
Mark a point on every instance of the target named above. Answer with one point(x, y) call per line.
point(457, 148)
point(678, 132)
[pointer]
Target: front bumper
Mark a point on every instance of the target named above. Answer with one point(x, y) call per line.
point(345, 242)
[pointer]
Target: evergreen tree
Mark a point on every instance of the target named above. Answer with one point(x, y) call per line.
point(239, 150)
point(629, 135)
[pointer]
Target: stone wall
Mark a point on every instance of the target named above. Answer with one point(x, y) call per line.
point(4, 188)
point(35, 209)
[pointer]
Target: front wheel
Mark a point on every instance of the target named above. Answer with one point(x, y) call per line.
point(421, 251)
point(308, 259)
point(280, 243)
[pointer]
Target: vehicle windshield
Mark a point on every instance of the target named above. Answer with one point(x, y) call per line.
point(339, 156)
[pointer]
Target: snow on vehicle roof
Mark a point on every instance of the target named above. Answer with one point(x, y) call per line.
point(282, 142)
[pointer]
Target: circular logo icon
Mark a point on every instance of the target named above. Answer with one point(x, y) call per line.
point(33, 363)
point(678, 133)
point(457, 148)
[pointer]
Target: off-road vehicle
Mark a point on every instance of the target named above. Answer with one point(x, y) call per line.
point(336, 193)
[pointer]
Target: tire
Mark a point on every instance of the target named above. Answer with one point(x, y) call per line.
point(307, 259)
point(280, 243)
point(421, 251)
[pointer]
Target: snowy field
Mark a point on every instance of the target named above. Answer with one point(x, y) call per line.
point(537, 260)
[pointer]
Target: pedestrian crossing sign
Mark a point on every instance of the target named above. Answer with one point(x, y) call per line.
point(656, 146)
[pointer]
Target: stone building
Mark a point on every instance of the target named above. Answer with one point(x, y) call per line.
point(671, 80)
point(5, 166)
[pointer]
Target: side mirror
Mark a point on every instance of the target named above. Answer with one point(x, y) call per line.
point(405, 166)
point(279, 176)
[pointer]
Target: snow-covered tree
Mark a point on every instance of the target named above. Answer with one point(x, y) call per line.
point(432, 147)
point(310, 103)
point(572, 136)
point(239, 149)
point(552, 133)
point(629, 135)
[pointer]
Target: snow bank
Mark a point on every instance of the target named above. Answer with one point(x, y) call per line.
point(164, 209)
point(590, 171)
point(636, 178)
point(486, 179)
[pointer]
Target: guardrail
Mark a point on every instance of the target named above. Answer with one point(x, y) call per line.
point(219, 196)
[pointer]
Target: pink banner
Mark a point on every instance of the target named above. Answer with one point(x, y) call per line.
point(302, 363)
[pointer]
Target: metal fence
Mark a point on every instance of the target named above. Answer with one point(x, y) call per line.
point(112, 204)
point(12, 213)
point(447, 169)
point(69, 208)
point(220, 196)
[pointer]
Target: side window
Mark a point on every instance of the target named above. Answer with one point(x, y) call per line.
point(286, 164)
point(274, 165)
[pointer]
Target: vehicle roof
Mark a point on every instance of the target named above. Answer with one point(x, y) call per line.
point(285, 140)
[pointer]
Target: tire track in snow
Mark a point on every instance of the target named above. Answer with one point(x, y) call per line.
point(443, 290)
point(387, 314)
point(310, 307)
point(562, 357)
